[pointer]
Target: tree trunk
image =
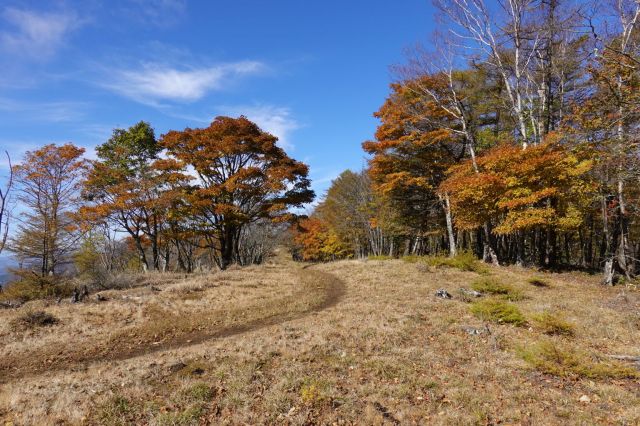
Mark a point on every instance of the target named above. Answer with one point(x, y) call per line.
point(489, 254)
point(608, 272)
point(227, 247)
point(449, 220)
point(141, 253)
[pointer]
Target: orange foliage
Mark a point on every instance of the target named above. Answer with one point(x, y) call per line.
point(242, 177)
point(544, 185)
point(317, 241)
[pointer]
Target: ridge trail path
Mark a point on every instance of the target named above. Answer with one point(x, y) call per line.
point(324, 289)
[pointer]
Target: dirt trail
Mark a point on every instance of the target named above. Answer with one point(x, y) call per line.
point(10, 370)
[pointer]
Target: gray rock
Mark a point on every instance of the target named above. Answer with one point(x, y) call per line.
point(470, 293)
point(443, 294)
point(473, 331)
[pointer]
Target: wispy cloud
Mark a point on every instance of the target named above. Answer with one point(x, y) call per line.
point(274, 119)
point(55, 112)
point(160, 13)
point(36, 34)
point(153, 83)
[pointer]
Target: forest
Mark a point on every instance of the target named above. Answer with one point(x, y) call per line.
point(516, 140)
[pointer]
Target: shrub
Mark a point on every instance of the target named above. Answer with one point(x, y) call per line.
point(553, 324)
point(550, 358)
point(498, 311)
point(33, 319)
point(493, 287)
point(538, 282)
point(30, 286)
point(464, 261)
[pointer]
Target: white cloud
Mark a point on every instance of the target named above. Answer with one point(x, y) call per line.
point(153, 82)
point(273, 119)
point(36, 34)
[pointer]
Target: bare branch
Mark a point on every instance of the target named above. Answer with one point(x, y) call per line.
point(4, 206)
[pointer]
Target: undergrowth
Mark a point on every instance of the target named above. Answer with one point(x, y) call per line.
point(538, 282)
point(565, 361)
point(494, 287)
point(465, 261)
point(498, 311)
point(33, 319)
point(30, 286)
point(553, 324)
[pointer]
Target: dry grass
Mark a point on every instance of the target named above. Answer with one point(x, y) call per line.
point(388, 352)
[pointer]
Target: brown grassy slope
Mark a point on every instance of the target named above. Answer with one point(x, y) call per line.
point(388, 352)
point(147, 320)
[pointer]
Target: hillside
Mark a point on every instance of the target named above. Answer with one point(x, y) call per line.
point(364, 342)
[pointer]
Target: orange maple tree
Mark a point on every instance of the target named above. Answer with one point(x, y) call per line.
point(241, 176)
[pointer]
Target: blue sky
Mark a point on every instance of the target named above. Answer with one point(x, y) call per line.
point(311, 72)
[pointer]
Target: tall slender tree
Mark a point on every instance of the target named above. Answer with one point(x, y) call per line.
point(48, 184)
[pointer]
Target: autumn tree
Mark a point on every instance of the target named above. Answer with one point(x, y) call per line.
point(315, 240)
point(347, 208)
point(416, 142)
point(48, 183)
point(241, 177)
point(532, 193)
point(127, 191)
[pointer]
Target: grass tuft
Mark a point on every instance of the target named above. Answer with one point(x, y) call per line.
point(200, 392)
point(539, 282)
point(115, 412)
point(464, 261)
point(553, 324)
point(314, 392)
point(33, 319)
point(551, 358)
point(494, 287)
point(188, 417)
point(498, 311)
